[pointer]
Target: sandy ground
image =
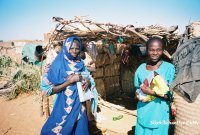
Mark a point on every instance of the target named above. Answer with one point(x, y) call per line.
point(21, 116)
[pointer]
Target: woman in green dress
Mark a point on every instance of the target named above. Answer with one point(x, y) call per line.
point(153, 116)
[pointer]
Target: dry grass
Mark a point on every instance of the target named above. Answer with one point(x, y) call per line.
point(19, 78)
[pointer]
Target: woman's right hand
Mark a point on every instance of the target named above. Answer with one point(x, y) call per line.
point(145, 89)
point(70, 79)
point(74, 78)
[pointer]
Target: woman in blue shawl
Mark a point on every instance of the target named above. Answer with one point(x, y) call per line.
point(69, 114)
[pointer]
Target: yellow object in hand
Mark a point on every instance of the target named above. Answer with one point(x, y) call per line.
point(159, 86)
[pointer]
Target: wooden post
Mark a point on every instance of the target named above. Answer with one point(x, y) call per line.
point(41, 105)
point(46, 106)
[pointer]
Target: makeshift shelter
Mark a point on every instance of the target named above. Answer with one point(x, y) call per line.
point(187, 81)
point(117, 45)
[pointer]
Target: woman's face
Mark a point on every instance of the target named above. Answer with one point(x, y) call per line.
point(155, 51)
point(75, 49)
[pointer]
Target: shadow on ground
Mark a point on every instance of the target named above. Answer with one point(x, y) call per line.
point(128, 102)
point(131, 132)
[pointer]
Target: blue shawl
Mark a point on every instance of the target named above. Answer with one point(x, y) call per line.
point(67, 111)
point(65, 62)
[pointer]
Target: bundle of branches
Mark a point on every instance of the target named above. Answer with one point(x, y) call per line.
point(88, 31)
point(167, 33)
point(17, 78)
point(192, 31)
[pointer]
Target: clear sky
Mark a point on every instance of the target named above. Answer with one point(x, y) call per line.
point(30, 19)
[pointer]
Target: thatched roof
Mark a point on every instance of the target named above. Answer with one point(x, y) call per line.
point(89, 30)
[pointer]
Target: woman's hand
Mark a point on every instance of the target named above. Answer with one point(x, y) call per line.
point(74, 78)
point(85, 84)
point(91, 62)
point(70, 79)
point(146, 90)
point(91, 69)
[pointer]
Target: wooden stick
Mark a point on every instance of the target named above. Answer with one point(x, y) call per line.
point(41, 105)
point(46, 106)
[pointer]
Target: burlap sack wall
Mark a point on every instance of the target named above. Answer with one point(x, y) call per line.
point(100, 87)
point(112, 85)
point(99, 73)
point(187, 116)
point(112, 69)
point(100, 60)
point(107, 75)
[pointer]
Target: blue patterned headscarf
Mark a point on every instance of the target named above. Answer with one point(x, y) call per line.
point(65, 62)
point(68, 44)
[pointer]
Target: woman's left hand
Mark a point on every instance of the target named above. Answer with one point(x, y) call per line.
point(85, 84)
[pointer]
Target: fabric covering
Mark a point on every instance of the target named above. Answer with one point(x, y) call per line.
point(187, 62)
point(28, 54)
point(92, 50)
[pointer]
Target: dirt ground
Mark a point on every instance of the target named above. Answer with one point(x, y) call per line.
point(21, 116)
